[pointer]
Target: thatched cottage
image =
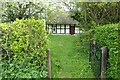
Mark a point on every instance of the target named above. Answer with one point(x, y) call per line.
point(62, 25)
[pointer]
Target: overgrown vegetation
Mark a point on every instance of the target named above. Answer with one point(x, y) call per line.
point(104, 15)
point(23, 42)
point(23, 49)
point(107, 35)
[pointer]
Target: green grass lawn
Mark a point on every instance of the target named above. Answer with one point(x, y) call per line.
point(66, 61)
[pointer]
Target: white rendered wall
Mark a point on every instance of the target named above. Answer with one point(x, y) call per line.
point(76, 30)
point(62, 29)
point(67, 30)
point(50, 30)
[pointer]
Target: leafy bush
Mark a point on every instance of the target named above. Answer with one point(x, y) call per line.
point(107, 35)
point(24, 49)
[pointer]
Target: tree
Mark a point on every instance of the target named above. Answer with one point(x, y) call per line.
point(93, 14)
point(13, 10)
point(53, 10)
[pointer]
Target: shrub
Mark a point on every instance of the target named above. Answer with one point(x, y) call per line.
point(107, 35)
point(24, 49)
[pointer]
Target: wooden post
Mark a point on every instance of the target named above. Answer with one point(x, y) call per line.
point(49, 64)
point(103, 62)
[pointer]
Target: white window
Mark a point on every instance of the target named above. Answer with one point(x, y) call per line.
point(67, 26)
point(58, 26)
point(67, 31)
point(58, 30)
point(54, 29)
point(62, 30)
point(76, 30)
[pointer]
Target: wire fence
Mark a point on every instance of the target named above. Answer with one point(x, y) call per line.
point(94, 58)
point(98, 58)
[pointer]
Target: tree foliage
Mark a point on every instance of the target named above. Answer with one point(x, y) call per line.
point(13, 10)
point(91, 14)
point(55, 10)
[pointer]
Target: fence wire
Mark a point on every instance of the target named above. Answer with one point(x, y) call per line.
point(95, 59)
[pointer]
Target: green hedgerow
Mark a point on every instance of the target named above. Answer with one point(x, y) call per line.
point(24, 47)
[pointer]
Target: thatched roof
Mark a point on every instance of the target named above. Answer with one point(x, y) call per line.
point(61, 19)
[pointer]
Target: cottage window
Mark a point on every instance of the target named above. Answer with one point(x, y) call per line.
point(54, 29)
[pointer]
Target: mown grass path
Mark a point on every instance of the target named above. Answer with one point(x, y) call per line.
point(67, 62)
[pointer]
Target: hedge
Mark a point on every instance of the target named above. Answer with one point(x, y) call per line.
point(107, 35)
point(24, 47)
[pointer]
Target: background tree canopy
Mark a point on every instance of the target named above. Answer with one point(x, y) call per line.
point(13, 10)
point(91, 14)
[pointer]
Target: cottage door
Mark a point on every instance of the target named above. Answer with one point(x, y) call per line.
point(72, 30)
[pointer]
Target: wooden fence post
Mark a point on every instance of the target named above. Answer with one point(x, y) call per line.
point(49, 64)
point(103, 62)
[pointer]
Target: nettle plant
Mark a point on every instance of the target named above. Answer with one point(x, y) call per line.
point(24, 47)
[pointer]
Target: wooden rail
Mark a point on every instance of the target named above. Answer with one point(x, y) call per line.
point(49, 64)
point(104, 58)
